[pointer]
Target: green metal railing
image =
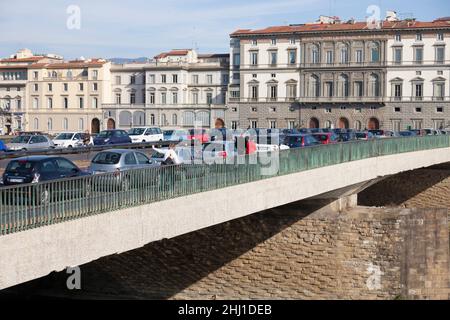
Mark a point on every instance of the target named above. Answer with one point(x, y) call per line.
point(30, 206)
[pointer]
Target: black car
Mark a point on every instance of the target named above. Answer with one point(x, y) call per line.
point(300, 141)
point(36, 169)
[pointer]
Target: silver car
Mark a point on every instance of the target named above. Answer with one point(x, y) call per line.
point(118, 160)
point(31, 142)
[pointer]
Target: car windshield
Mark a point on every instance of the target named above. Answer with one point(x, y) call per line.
point(168, 133)
point(64, 136)
point(21, 139)
point(361, 135)
point(107, 158)
point(136, 132)
point(20, 166)
point(105, 134)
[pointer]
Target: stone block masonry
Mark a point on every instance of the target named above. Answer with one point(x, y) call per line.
point(285, 253)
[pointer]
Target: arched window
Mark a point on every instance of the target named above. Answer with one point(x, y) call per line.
point(358, 125)
point(188, 118)
point(163, 119)
point(315, 54)
point(66, 124)
point(203, 118)
point(174, 119)
point(152, 119)
point(36, 123)
point(328, 124)
point(125, 119)
point(138, 118)
point(50, 124)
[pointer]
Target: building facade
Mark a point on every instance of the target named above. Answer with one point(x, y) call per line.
point(67, 96)
point(13, 81)
point(177, 89)
point(338, 74)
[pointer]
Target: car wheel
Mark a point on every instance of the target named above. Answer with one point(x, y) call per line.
point(25, 150)
point(70, 147)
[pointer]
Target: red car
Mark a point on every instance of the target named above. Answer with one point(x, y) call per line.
point(198, 134)
point(326, 138)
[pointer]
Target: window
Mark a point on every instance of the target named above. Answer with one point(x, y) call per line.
point(315, 55)
point(273, 92)
point(398, 52)
point(151, 79)
point(66, 103)
point(344, 55)
point(209, 79)
point(36, 87)
point(81, 86)
point(254, 58)
point(118, 98)
point(175, 97)
point(236, 59)
point(50, 87)
point(66, 87)
point(440, 36)
point(359, 56)
point(174, 119)
point(329, 88)
point(163, 78)
point(330, 58)
point(130, 159)
point(81, 124)
point(254, 109)
point(36, 124)
point(195, 97)
point(418, 91)
point(418, 110)
point(175, 78)
point(152, 119)
point(254, 42)
point(50, 124)
point(418, 55)
point(292, 41)
point(95, 86)
point(292, 56)
point(132, 98)
point(254, 124)
point(50, 103)
point(273, 124)
point(273, 57)
point(439, 109)
point(94, 74)
point(273, 42)
point(81, 102)
point(35, 103)
point(118, 80)
point(398, 38)
point(440, 54)
point(328, 110)
point(152, 98)
point(419, 37)
point(95, 103)
point(397, 109)
point(35, 75)
point(132, 79)
point(66, 124)
point(209, 98)
point(163, 98)
point(375, 55)
point(398, 92)
point(439, 91)
point(234, 125)
point(359, 88)
point(254, 92)
point(291, 91)
point(195, 79)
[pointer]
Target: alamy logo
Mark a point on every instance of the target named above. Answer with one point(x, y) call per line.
point(74, 20)
point(374, 20)
point(74, 280)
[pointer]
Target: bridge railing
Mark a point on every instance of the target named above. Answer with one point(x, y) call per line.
point(30, 206)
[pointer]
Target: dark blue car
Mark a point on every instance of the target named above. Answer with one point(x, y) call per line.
point(300, 141)
point(110, 137)
point(3, 146)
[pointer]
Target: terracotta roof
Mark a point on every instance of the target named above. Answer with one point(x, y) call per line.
point(357, 26)
point(17, 67)
point(30, 59)
point(182, 52)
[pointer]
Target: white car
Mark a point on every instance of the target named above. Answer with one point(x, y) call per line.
point(69, 140)
point(142, 135)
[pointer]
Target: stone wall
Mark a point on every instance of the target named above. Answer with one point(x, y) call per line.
point(285, 253)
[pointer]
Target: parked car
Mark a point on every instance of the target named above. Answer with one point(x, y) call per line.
point(327, 138)
point(30, 142)
point(110, 137)
point(198, 134)
point(300, 141)
point(407, 134)
point(118, 160)
point(346, 136)
point(36, 169)
point(69, 140)
point(365, 135)
point(141, 135)
point(175, 135)
point(432, 132)
point(3, 146)
point(377, 133)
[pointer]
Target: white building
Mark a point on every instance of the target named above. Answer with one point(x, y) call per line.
point(176, 89)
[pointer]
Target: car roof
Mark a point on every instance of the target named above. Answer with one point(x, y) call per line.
point(121, 151)
point(35, 158)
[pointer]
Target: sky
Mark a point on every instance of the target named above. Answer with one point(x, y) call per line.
point(144, 28)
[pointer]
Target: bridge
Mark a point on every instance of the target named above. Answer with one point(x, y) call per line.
point(50, 226)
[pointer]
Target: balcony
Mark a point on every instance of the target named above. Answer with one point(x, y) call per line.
point(316, 99)
point(419, 99)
